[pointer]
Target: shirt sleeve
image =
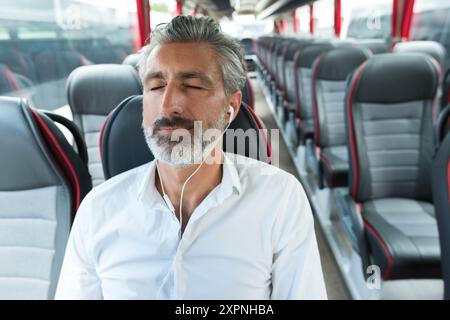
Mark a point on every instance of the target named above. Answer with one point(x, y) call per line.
point(78, 278)
point(296, 270)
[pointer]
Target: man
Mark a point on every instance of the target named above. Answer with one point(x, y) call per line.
point(196, 223)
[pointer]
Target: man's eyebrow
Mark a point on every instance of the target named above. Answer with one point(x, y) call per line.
point(153, 75)
point(195, 75)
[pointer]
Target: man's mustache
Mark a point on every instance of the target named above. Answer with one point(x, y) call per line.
point(178, 122)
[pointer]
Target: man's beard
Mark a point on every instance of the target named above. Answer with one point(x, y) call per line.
point(189, 144)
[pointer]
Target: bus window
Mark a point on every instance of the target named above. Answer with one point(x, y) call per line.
point(41, 42)
point(303, 16)
point(324, 22)
point(431, 21)
point(162, 11)
point(366, 20)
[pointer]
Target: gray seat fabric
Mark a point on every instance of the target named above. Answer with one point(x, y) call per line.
point(289, 72)
point(390, 138)
point(54, 65)
point(247, 93)
point(94, 91)
point(445, 99)
point(432, 48)
point(132, 60)
point(441, 194)
point(408, 231)
point(304, 66)
point(331, 71)
point(36, 202)
point(334, 165)
point(376, 46)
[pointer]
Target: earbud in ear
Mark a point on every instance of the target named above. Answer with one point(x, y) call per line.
point(231, 111)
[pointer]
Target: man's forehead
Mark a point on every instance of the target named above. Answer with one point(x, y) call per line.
point(184, 57)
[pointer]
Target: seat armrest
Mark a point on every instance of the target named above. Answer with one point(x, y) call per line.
point(353, 224)
point(75, 131)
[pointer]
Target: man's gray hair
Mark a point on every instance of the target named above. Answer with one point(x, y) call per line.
point(185, 29)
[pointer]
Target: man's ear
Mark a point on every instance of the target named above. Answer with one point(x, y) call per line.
point(235, 101)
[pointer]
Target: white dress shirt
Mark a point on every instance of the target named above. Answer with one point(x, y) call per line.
point(252, 237)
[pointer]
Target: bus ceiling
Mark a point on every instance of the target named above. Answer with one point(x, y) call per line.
point(279, 10)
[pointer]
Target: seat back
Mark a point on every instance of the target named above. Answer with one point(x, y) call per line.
point(55, 65)
point(303, 67)
point(279, 61)
point(42, 183)
point(330, 74)
point(442, 125)
point(431, 48)
point(441, 195)
point(389, 127)
point(132, 60)
point(290, 91)
point(434, 50)
point(92, 92)
point(445, 90)
point(105, 54)
point(125, 124)
point(376, 46)
point(247, 93)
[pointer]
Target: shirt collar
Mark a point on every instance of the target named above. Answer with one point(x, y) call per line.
point(230, 170)
point(147, 191)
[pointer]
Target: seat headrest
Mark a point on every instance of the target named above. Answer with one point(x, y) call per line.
point(247, 93)
point(132, 60)
point(310, 53)
point(96, 89)
point(294, 47)
point(124, 125)
point(432, 48)
point(23, 158)
point(338, 63)
point(376, 46)
point(394, 78)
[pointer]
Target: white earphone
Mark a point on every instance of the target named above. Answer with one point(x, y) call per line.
point(231, 117)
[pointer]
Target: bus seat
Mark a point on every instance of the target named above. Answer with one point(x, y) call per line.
point(278, 66)
point(445, 100)
point(442, 126)
point(42, 183)
point(390, 138)
point(54, 65)
point(92, 92)
point(432, 48)
point(330, 74)
point(247, 93)
point(124, 124)
point(441, 194)
point(303, 67)
point(132, 60)
point(105, 54)
point(376, 46)
point(290, 91)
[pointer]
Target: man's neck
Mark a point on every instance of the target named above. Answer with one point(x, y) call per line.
point(199, 186)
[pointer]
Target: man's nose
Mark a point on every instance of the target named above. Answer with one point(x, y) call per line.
point(171, 104)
